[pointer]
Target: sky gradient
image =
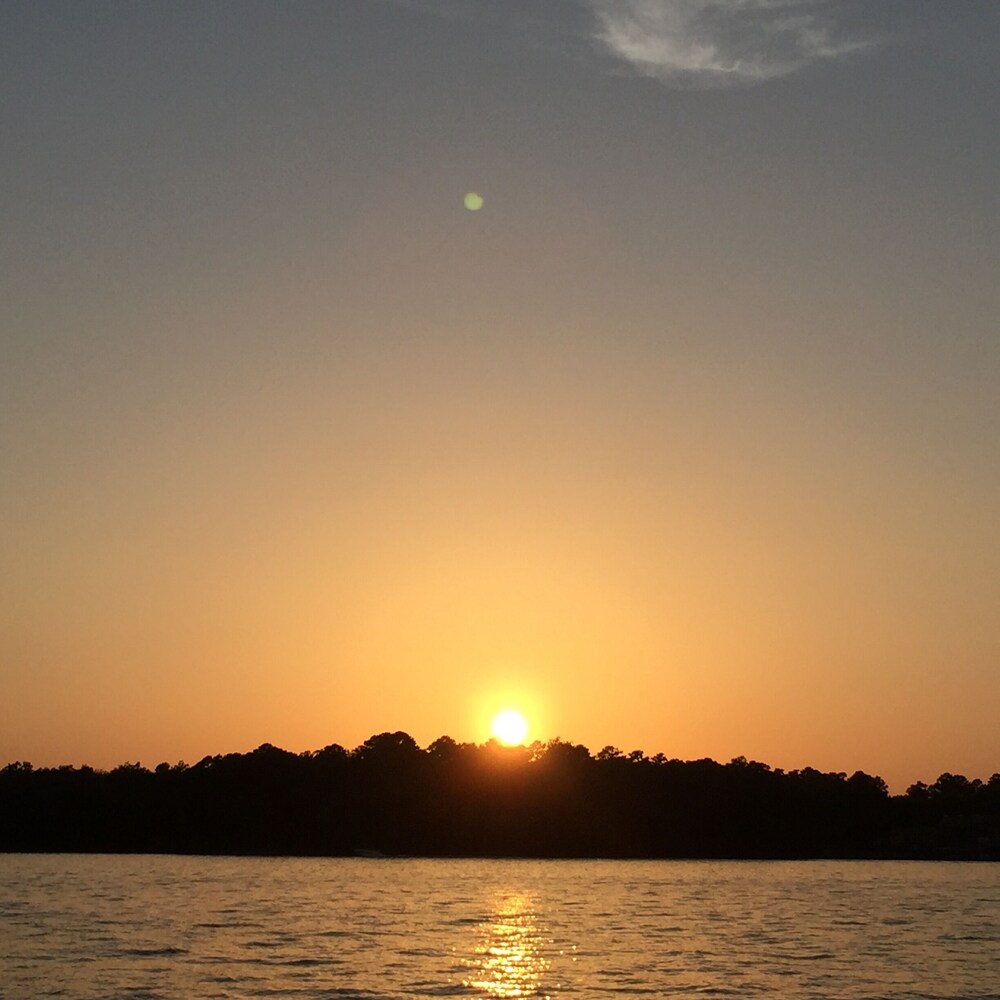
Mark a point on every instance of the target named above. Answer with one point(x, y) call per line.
point(688, 440)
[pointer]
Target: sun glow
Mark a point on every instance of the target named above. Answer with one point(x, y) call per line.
point(510, 727)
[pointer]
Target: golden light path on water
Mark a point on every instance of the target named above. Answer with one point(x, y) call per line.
point(510, 956)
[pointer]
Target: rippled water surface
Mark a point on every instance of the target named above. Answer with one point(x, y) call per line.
point(162, 926)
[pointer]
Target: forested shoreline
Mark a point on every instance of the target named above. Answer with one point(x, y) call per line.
point(452, 799)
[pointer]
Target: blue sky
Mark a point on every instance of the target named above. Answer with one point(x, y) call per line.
point(687, 440)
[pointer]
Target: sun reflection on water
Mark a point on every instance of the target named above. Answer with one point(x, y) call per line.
point(509, 958)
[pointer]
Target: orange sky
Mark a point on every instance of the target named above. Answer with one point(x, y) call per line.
point(687, 441)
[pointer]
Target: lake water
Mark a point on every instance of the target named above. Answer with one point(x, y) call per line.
point(191, 927)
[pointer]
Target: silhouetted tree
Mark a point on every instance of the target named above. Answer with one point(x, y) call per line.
point(553, 799)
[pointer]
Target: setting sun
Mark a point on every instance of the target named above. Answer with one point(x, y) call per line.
point(509, 727)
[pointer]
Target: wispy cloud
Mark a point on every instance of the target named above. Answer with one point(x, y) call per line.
point(711, 43)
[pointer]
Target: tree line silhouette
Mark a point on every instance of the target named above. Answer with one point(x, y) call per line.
point(460, 799)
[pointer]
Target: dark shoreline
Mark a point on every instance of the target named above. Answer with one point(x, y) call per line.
point(390, 798)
